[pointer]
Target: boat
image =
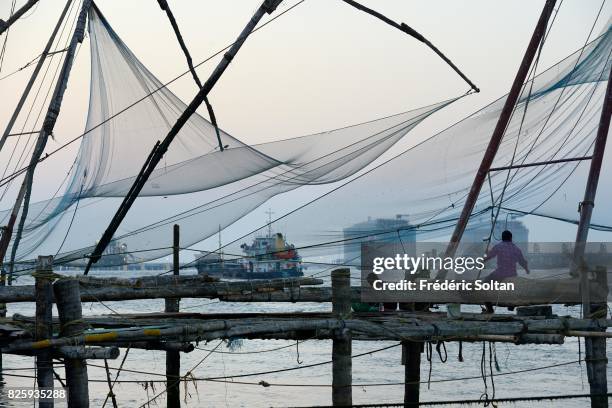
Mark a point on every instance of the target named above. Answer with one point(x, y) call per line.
point(268, 257)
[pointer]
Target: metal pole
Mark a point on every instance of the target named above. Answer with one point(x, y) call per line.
point(502, 123)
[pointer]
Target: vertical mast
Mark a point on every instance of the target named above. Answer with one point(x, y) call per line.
point(586, 206)
point(269, 212)
point(500, 128)
point(53, 111)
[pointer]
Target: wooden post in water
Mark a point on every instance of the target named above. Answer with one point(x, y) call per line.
point(68, 300)
point(173, 357)
point(411, 359)
point(44, 325)
point(595, 350)
point(342, 393)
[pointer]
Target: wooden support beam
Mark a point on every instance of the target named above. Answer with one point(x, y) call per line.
point(342, 393)
point(25, 293)
point(44, 325)
point(71, 314)
point(155, 345)
point(397, 327)
point(173, 357)
point(88, 353)
point(4, 25)
point(595, 348)
point(411, 359)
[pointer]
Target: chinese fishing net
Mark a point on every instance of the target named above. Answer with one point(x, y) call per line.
point(229, 183)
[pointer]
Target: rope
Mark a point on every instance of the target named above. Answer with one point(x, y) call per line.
point(473, 401)
point(230, 379)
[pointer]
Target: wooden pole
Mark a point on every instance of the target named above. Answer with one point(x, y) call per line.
point(37, 68)
point(342, 394)
point(6, 231)
point(211, 113)
point(68, 297)
point(44, 325)
point(595, 347)
point(173, 357)
point(411, 360)
point(4, 25)
point(191, 288)
point(414, 34)
point(586, 206)
point(25, 191)
point(500, 128)
point(595, 351)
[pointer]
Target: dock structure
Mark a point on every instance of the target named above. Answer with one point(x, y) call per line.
point(78, 338)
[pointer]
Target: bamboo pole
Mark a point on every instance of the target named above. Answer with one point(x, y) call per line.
point(44, 326)
point(173, 357)
point(342, 348)
point(72, 326)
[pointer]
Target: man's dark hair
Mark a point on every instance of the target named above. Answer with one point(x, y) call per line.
point(507, 236)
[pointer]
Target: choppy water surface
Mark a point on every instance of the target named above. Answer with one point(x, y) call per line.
point(253, 356)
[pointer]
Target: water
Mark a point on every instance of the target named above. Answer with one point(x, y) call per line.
point(251, 356)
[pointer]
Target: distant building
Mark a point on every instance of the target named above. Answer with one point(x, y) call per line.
point(520, 233)
point(396, 230)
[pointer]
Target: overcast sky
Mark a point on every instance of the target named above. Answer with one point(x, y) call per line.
point(323, 65)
